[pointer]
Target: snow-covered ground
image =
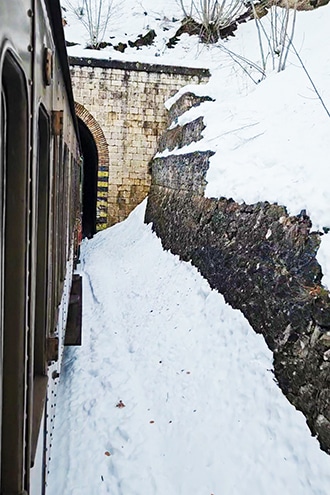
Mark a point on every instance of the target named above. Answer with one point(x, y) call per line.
point(203, 414)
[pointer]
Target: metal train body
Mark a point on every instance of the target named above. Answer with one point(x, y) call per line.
point(39, 218)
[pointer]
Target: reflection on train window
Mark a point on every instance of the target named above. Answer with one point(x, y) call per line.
point(14, 462)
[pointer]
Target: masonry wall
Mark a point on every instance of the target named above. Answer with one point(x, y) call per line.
point(126, 102)
point(261, 259)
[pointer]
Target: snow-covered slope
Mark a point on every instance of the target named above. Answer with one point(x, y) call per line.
point(203, 414)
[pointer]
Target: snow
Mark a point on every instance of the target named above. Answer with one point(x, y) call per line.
point(203, 413)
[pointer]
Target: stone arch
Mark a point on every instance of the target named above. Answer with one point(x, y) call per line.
point(103, 164)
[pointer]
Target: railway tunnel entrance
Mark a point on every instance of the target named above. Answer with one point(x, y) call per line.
point(122, 104)
point(89, 183)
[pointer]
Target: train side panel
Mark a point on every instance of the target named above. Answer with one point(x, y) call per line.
point(39, 202)
point(15, 67)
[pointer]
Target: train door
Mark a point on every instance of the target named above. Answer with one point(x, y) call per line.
point(41, 324)
point(14, 275)
point(2, 164)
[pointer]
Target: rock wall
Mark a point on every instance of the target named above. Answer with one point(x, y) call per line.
point(122, 103)
point(262, 260)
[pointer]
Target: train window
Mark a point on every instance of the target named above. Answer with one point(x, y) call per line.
point(53, 236)
point(57, 205)
point(41, 325)
point(66, 209)
point(62, 213)
point(14, 462)
point(41, 322)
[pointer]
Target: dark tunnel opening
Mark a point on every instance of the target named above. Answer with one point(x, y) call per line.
point(89, 186)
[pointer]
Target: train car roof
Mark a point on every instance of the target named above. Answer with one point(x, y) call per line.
point(55, 15)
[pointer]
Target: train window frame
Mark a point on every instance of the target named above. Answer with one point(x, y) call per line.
point(15, 155)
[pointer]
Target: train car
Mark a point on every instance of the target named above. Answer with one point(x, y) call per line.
point(40, 296)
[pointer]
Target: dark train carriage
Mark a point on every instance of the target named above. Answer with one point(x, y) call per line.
point(39, 222)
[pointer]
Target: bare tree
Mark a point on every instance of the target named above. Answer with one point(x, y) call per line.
point(275, 42)
point(213, 15)
point(95, 17)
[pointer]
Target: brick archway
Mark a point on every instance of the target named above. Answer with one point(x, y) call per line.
point(103, 164)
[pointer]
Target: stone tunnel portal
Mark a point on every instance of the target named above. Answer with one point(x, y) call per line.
point(89, 187)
